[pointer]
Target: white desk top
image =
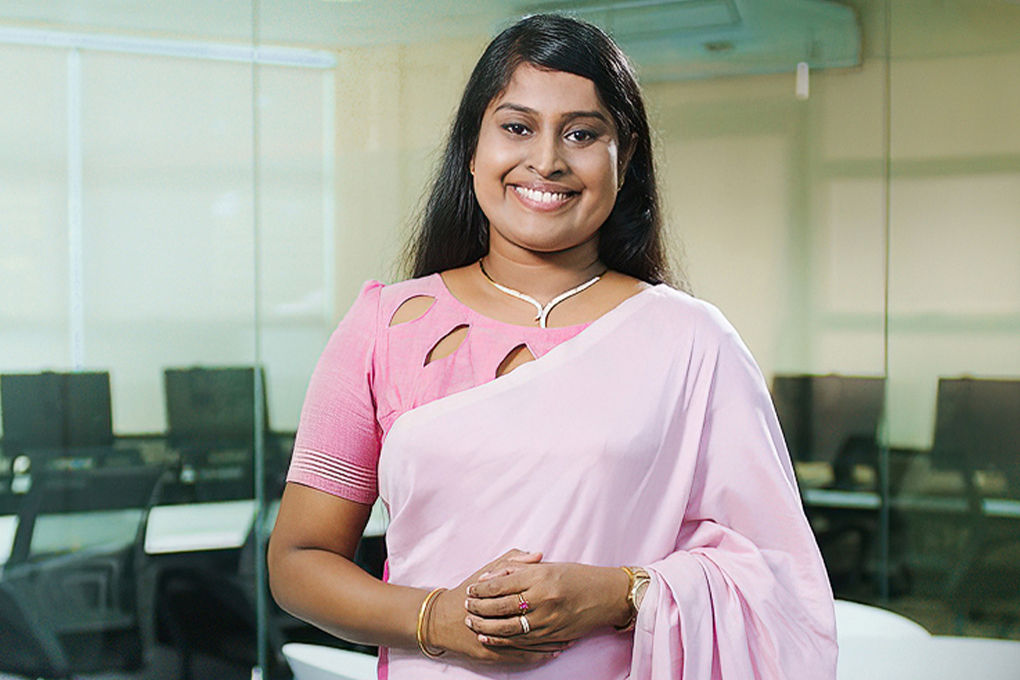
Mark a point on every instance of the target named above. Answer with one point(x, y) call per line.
point(198, 526)
point(222, 525)
point(932, 658)
point(8, 528)
point(869, 500)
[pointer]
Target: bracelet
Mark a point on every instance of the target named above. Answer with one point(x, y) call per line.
point(636, 578)
point(423, 616)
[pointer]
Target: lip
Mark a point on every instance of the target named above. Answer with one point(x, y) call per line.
point(541, 205)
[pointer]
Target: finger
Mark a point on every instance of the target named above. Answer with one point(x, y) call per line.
point(508, 627)
point(498, 586)
point(489, 575)
point(519, 643)
point(494, 607)
point(508, 560)
point(519, 556)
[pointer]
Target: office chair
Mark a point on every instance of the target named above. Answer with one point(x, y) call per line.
point(833, 420)
point(321, 662)
point(977, 433)
point(208, 606)
point(85, 596)
point(27, 647)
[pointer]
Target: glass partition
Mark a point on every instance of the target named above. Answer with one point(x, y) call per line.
point(776, 189)
point(128, 341)
point(193, 195)
point(954, 316)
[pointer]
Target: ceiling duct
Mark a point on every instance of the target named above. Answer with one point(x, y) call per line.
point(689, 39)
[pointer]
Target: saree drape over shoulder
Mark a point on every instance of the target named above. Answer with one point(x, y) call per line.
point(647, 438)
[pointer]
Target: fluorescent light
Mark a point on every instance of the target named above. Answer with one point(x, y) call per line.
point(262, 54)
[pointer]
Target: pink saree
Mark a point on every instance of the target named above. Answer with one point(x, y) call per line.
point(647, 439)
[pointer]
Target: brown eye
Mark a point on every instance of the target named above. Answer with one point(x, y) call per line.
point(516, 128)
point(582, 135)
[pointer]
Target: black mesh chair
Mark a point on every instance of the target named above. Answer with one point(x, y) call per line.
point(977, 433)
point(85, 595)
point(832, 420)
point(27, 646)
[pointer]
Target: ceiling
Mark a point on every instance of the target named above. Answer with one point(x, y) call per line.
point(668, 39)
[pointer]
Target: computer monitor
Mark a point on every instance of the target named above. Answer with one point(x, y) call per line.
point(56, 410)
point(791, 395)
point(977, 426)
point(88, 416)
point(825, 416)
point(211, 405)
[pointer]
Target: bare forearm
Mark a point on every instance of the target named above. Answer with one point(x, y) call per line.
point(334, 594)
point(613, 586)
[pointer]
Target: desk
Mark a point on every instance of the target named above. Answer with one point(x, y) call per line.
point(869, 500)
point(933, 658)
point(69, 532)
point(8, 528)
point(221, 525)
point(198, 526)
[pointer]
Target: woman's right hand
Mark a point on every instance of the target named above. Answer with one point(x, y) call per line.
point(448, 631)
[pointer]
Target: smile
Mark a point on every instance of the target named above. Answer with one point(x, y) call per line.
point(542, 200)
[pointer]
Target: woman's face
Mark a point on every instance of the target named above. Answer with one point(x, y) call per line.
point(546, 166)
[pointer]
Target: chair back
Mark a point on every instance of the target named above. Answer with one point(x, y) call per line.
point(855, 620)
point(318, 662)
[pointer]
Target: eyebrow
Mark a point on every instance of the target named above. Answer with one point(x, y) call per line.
point(569, 116)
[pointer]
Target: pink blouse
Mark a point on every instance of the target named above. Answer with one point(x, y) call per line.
point(371, 372)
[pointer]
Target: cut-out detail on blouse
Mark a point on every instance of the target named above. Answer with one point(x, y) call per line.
point(517, 356)
point(447, 345)
point(412, 309)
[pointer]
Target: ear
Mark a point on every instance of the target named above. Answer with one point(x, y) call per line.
point(471, 165)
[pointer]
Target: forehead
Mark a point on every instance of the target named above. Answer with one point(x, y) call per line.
point(550, 92)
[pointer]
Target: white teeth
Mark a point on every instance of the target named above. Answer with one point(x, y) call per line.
point(541, 196)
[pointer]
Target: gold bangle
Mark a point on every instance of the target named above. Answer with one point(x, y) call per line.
point(636, 577)
point(423, 615)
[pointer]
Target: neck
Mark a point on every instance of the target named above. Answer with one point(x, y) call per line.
point(543, 278)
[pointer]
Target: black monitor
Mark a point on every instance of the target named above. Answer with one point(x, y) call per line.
point(828, 418)
point(56, 410)
point(211, 405)
point(977, 426)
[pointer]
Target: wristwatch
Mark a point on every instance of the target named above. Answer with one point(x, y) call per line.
point(638, 578)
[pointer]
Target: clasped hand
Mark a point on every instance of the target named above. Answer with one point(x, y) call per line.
point(565, 602)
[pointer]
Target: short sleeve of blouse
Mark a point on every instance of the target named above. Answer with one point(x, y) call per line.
point(338, 436)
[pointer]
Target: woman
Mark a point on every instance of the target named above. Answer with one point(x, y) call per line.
point(538, 409)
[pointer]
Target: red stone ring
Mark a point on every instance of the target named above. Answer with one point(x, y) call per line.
point(523, 606)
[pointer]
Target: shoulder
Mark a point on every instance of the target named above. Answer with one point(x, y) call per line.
point(377, 300)
point(702, 334)
point(681, 311)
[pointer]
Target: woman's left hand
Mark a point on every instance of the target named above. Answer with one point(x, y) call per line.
point(565, 602)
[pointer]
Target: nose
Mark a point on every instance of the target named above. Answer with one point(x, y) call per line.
point(546, 156)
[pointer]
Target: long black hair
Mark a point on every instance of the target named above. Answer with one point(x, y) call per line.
point(454, 231)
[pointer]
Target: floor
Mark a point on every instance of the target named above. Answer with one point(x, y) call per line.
point(163, 666)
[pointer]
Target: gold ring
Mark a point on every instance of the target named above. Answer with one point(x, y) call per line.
point(525, 626)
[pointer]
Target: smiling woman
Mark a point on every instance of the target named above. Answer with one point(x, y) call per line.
point(570, 497)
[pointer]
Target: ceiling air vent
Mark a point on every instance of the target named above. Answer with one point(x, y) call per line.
point(687, 39)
